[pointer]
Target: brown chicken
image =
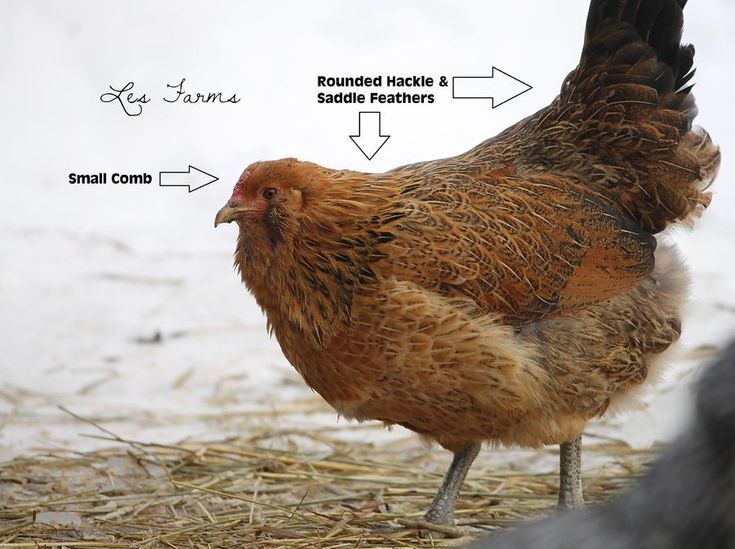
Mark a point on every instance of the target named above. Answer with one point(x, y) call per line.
point(508, 294)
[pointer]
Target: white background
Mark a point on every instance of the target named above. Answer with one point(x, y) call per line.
point(86, 271)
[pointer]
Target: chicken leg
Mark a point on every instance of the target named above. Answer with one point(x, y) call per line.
point(441, 510)
point(570, 474)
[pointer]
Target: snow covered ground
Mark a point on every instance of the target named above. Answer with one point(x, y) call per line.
point(120, 304)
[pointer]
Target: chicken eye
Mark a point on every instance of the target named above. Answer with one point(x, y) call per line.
point(269, 193)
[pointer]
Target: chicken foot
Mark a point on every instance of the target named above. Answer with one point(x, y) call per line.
point(570, 474)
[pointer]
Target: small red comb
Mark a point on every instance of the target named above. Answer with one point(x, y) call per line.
point(237, 191)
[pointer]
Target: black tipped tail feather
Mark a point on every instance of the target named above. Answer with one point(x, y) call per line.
point(627, 33)
point(634, 61)
point(622, 125)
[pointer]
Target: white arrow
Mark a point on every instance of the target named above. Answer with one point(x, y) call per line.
point(193, 179)
point(369, 139)
point(500, 87)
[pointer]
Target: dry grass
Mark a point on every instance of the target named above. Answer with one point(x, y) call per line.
point(274, 489)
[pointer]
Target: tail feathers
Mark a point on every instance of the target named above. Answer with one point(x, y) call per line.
point(634, 64)
point(659, 23)
point(699, 144)
point(630, 33)
point(622, 125)
point(693, 195)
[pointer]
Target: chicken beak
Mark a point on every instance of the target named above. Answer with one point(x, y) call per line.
point(226, 215)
